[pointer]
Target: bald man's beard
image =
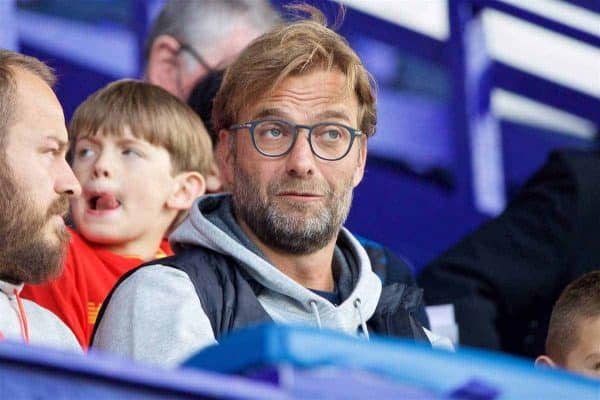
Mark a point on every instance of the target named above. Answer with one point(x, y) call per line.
point(26, 253)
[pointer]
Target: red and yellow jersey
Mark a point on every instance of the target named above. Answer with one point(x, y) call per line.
point(89, 274)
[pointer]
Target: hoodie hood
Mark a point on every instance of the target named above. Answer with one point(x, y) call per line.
point(211, 224)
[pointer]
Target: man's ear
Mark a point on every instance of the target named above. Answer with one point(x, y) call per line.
point(214, 184)
point(362, 160)
point(163, 64)
point(545, 361)
point(225, 158)
point(188, 186)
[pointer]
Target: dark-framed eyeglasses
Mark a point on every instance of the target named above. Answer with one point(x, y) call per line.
point(328, 141)
point(201, 60)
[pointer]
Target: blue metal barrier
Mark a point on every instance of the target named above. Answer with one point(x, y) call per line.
point(29, 372)
point(466, 374)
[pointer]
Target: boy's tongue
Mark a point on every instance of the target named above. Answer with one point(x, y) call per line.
point(107, 202)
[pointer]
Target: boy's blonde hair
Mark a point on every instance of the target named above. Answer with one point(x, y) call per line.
point(152, 114)
point(580, 300)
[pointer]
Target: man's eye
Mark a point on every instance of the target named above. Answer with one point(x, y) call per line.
point(273, 132)
point(332, 135)
point(329, 134)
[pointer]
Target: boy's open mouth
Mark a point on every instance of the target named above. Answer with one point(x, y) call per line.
point(103, 201)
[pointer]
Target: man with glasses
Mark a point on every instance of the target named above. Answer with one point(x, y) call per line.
point(293, 114)
point(190, 44)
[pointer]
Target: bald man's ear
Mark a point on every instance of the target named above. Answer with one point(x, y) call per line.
point(545, 361)
point(163, 64)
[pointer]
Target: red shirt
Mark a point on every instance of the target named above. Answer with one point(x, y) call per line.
point(89, 274)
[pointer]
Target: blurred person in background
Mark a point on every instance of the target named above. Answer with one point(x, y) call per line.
point(191, 39)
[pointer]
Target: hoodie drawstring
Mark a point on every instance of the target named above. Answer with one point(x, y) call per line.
point(315, 310)
point(22, 317)
point(363, 323)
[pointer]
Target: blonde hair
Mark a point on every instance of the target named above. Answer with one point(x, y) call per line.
point(151, 113)
point(298, 48)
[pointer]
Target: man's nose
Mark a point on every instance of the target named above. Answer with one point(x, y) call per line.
point(66, 183)
point(301, 160)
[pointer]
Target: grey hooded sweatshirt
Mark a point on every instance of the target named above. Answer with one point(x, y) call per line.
point(155, 315)
point(24, 320)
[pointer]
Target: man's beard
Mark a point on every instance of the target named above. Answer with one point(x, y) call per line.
point(26, 255)
point(295, 229)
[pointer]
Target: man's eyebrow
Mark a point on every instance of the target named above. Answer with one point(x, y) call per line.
point(333, 114)
point(62, 144)
point(278, 113)
point(270, 112)
point(592, 356)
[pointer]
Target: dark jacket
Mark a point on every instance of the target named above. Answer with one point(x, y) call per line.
point(504, 278)
point(229, 297)
point(391, 269)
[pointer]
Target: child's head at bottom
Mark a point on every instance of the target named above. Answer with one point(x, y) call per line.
point(573, 340)
point(140, 155)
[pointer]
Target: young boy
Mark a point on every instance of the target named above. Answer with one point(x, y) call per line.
point(140, 155)
point(573, 340)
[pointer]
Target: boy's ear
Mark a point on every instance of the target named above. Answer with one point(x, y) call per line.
point(545, 361)
point(225, 158)
point(188, 186)
point(163, 67)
